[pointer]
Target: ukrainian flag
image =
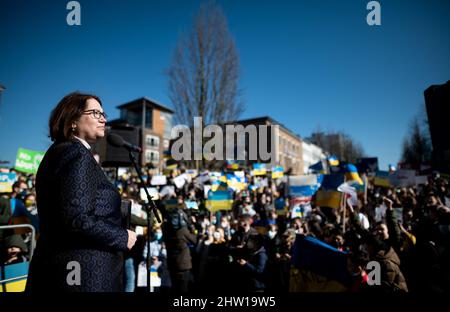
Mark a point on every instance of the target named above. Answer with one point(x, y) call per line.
point(280, 206)
point(382, 179)
point(318, 267)
point(16, 274)
point(236, 183)
point(351, 174)
point(277, 172)
point(259, 169)
point(330, 199)
point(222, 199)
point(328, 195)
point(171, 203)
point(333, 161)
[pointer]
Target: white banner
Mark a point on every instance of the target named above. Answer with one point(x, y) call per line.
point(158, 180)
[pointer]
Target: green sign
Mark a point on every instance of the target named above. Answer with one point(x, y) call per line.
point(28, 161)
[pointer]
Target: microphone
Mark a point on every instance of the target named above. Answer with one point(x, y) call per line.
point(118, 141)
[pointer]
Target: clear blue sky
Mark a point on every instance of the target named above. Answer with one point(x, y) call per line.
point(304, 63)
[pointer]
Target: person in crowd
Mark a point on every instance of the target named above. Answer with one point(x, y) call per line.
point(356, 266)
point(245, 230)
point(392, 279)
point(178, 234)
point(16, 250)
point(251, 275)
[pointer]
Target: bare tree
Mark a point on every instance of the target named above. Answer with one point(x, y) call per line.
point(204, 74)
point(416, 145)
point(338, 144)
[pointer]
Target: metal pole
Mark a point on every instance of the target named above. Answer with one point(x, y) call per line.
point(149, 207)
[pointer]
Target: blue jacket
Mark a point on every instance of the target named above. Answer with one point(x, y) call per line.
point(80, 220)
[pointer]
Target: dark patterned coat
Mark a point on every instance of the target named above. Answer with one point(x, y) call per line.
point(79, 212)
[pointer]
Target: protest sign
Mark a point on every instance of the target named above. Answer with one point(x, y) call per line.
point(28, 161)
point(6, 182)
point(403, 178)
point(152, 191)
point(180, 181)
point(167, 190)
point(259, 169)
point(277, 172)
point(158, 180)
point(191, 204)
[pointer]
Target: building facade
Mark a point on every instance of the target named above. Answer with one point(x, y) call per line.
point(288, 146)
point(154, 123)
point(311, 155)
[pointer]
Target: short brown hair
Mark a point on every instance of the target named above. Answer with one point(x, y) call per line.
point(68, 110)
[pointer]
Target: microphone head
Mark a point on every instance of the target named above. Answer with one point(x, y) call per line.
point(115, 140)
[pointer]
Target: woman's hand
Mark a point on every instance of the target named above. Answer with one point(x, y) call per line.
point(131, 239)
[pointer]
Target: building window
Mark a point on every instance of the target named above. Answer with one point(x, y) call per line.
point(148, 118)
point(132, 117)
point(151, 157)
point(152, 141)
point(166, 144)
point(167, 117)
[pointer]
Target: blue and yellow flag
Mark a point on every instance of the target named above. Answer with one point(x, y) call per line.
point(333, 161)
point(277, 172)
point(317, 267)
point(328, 195)
point(351, 174)
point(259, 169)
point(382, 178)
point(330, 199)
point(171, 203)
point(221, 199)
point(235, 182)
point(17, 276)
point(280, 206)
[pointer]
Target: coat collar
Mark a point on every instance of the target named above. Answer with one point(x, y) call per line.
point(86, 144)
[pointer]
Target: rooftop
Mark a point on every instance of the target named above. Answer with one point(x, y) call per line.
point(148, 102)
point(264, 119)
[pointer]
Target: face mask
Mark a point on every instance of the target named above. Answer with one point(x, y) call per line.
point(216, 235)
point(271, 234)
point(29, 203)
point(224, 225)
point(158, 235)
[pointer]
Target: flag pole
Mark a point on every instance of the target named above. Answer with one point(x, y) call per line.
point(343, 215)
point(343, 207)
point(366, 182)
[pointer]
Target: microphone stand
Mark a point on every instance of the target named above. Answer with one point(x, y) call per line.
point(150, 207)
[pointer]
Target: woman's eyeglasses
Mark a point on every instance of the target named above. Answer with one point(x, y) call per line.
point(96, 113)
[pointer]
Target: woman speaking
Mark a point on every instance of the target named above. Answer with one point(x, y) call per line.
point(81, 242)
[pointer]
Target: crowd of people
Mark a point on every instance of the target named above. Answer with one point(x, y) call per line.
point(250, 246)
